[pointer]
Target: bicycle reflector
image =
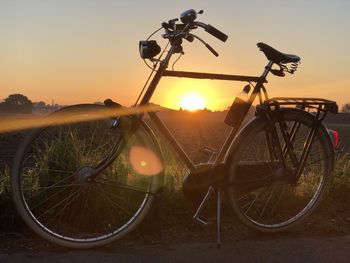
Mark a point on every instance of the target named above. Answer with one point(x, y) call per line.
point(149, 49)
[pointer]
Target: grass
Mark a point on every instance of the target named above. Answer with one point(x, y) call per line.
point(9, 220)
point(339, 190)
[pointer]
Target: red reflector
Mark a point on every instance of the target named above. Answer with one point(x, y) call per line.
point(336, 138)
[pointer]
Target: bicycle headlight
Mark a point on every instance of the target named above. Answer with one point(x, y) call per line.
point(149, 49)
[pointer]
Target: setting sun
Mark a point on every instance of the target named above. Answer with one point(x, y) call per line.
point(192, 102)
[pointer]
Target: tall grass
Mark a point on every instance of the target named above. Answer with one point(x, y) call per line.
point(336, 201)
point(8, 217)
point(339, 191)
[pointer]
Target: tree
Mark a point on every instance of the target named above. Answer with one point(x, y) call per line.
point(17, 103)
point(17, 99)
point(40, 104)
point(346, 107)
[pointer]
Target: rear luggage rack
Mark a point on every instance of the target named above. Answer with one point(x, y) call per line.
point(322, 105)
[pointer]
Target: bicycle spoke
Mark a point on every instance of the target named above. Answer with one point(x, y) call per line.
point(107, 182)
point(108, 196)
point(83, 211)
point(58, 215)
point(273, 209)
point(53, 170)
point(260, 203)
point(47, 199)
point(54, 187)
point(251, 203)
point(71, 198)
point(55, 184)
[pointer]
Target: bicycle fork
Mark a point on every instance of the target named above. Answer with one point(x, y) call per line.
point(204, 203)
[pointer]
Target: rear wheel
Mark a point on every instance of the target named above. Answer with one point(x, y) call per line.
point(56, 192)
point(264, 192)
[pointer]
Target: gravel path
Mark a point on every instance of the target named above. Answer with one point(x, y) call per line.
point(326, 249)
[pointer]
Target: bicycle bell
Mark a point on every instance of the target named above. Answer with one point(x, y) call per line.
point(189, 16)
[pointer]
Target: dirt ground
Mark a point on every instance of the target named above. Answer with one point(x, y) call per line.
point(289, 247)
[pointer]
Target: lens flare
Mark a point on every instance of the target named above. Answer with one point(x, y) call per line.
point(144, 161)
point(11, 124)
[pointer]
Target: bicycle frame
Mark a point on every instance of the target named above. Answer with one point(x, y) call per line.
point(163, 72)
point(284, 147)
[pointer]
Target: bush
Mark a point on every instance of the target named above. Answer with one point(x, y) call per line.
point(8, 217)
point(340, 187)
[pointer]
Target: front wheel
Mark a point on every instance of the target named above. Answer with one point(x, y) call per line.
point(264, 191)
point(55, 188)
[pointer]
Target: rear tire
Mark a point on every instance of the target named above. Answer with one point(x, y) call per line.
point(54, 193)
point(263, 202)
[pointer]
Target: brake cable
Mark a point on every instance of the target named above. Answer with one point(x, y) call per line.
point(153, 70)
point(212, 50)
point(156, 31)
point(172, 67)
point(144, 60)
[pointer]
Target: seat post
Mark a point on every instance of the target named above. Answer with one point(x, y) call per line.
point(267, 69)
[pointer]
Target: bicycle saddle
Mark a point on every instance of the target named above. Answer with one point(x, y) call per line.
point(277, 56)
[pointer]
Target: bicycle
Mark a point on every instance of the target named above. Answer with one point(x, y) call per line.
point(89, 181)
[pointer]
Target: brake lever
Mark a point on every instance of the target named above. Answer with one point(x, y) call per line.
point(212, 50)
point(165, 25)
point(172, 22)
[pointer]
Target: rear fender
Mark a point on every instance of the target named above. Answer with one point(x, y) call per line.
point(260, 117)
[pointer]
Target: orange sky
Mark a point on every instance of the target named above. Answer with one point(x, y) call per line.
point(84, 51)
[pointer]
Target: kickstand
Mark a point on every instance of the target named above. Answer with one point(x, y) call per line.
point(219, 201)
point(202, 205)
point(197, 218)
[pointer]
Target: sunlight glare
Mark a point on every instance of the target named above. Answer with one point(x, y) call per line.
point(192, 102)
point(14, 123)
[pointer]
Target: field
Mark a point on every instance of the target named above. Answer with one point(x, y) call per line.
point(194, 131)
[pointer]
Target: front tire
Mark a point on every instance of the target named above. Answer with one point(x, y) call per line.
point(56, 196)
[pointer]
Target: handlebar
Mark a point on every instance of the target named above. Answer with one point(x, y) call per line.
point(216, 33)
point(213, 31)
point(175, 32)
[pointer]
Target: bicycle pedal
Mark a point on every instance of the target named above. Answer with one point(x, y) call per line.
point(201, 221)
point(209, 152)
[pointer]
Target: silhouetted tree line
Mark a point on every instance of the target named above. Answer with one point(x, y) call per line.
point(16, 103)
point(346, 107)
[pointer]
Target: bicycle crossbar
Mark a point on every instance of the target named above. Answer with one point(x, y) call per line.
point(200, 75)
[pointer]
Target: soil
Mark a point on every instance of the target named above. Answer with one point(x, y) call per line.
point(176, 227)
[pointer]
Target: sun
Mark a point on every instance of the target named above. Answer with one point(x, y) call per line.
point(192, 102)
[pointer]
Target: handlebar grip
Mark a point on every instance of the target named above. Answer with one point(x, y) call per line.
point(216, 33)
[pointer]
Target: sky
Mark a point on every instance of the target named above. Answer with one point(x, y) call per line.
point(83, 51)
